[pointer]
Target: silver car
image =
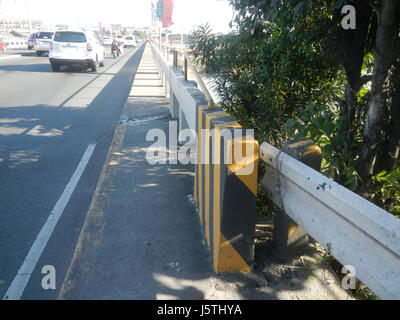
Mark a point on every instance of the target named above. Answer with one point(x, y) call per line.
point(42, 42)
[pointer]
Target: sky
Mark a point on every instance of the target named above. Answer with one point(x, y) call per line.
point(187, 13)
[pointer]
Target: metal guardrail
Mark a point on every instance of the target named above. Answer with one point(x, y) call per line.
point(188, 64)
point(352, 229)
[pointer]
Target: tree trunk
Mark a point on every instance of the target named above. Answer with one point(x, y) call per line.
point(392, 150)
point(386, 37)
point(352, 60)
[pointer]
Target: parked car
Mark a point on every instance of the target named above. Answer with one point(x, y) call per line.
point(3, 46)
point(42, 42)
point(30, 41)
point(129, 42)
point(76, 48)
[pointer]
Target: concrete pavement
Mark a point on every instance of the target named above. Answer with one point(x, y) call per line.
point(8, 56)
point(140, 230)
point(142, 237)
point(13, 53)
point(47, 121)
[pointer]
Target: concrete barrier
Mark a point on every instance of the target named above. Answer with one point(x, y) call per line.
point(226, 189)
point(225, 186)
point(356, 232)
point(16, 43)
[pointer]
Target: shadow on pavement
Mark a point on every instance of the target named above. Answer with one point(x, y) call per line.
point(143, 240)
point(45, 67)
point(40, 147)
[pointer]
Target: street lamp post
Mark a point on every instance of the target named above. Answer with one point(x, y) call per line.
point(29, 17)
point(4, 18)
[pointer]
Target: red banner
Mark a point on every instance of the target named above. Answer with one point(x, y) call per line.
point(168, 9)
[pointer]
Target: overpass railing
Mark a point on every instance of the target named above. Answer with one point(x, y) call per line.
point(360, 235)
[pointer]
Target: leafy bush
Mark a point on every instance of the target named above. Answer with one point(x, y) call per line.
point(283, 73)
point(267, 75)
point(324, 126)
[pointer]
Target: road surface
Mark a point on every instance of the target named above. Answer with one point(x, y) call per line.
point(55, 131)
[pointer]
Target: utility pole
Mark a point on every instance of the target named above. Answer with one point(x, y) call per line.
point(28, 16)
point(4, 18)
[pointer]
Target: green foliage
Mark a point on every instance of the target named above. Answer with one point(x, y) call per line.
point(140, 34)
point(325, 127)
point(204, 50)
point(387, 190)
point(275, 73)
point(270, 71)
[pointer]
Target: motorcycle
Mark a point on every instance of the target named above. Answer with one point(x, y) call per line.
point(115, 53)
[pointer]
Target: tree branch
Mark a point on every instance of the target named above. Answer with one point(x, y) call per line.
point(365, 79)
point(373, 5)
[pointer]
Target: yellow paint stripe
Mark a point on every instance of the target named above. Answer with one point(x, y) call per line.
point(292, 228)
point(217, 185)
point(199, 158)
point(312, 150)
point(229, 259)
point(218, 114)
point(227, 125)
point(207, 181)
point(195, 185)
point(249, 180)
point(207, 149)
point(217, 196)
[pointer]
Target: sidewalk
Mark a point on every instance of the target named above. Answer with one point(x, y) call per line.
point(142, 237)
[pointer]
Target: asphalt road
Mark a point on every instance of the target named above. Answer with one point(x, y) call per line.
point(47, 122)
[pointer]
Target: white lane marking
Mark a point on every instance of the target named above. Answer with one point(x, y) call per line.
point(20, 281)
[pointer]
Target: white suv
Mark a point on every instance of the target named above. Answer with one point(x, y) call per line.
point(76, 47)
point(129, 41)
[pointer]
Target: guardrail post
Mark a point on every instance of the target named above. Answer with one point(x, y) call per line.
point(173, 103)
point(287, 236)
point(185, 68)
point(226, 189)
point(175, 62)
point(166, 85)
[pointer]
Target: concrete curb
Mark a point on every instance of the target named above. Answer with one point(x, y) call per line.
point(92, 230)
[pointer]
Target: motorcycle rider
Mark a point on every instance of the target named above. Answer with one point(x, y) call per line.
point(114, 46)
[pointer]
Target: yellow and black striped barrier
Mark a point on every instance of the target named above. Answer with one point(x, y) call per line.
point(226, 189)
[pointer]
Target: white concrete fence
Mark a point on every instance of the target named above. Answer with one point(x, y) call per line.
point(184, 96)
point(352, 229)
point(16, 43)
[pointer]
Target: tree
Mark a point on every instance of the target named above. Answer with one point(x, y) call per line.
point(291, 62)
point(381, 144)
